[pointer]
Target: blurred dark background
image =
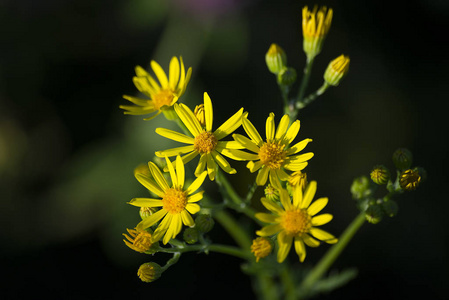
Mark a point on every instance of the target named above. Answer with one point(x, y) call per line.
point(67, 152)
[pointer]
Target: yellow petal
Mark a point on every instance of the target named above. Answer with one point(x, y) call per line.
point(254, 166)
point(309, 194)
point(175, 151)
point(269, 230)
point(208, 112)
point(193, 208)
point(239, 155)
point(282, 128)
point(271, 206)
point(295, 166)
point(298, 147)
point(160, 74)
point(323, 235)
point(137, 101)
point(228, 145)
point(274, 179)
point(150, 185)
point(188, 118)
point(222, 162)
point(146, 202)
point(176, 136)
point(262, 176)
point(201, 165)
point(285, 244)
point(292, 132)
point(300, 158)
point(317, 206)
point(229, 126)
point(270, 127)
point(251, 131)
point(297, 197)
point(264, 217)
point(182, 78)
point(211, 166)
point(310, 241)
point(300, 249)
point(173, 74)
point(180, 172)
point(246, 143)
point(151, 220)
point(285, 199)
point(195, 197)
point(321, 219)
point(187, 218)
point(157, 175)
point(196, 183)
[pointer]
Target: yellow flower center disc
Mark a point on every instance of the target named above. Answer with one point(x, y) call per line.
point(272, 155)
point(163, 97)
point(296, 222)
point(174, 201)
point(205, 142)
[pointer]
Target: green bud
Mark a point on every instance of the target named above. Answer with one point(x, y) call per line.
point(374, 214)
point(360, 187)
point(380, 174)
point(336, 70)
point(204, 223)
point(390, 207)
point(145, 212)
point(271, 193)
point(190, 235)
point(402, 159)
point(149, 272)
point(287, 76)
point(276, 59)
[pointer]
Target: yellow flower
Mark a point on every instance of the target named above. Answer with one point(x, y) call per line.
point(149, 272)
point(336, 70)
point(177, 202)
point(261, 247)
point(274, 155)
point(138, 240)
point(315, 26)
point(296, 222)
point(298, 179)
point(205, 142)
point(161, 96)
point(409, 180)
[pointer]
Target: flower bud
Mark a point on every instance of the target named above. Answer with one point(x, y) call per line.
point(190, 235)
point(315, 26)
point(390, 207)
point(276, 59)
point(145, 212)
point(199, 114)
point(409, 180)
point(374, 214)
point(402, 159)
point(139, 240)
point(380, 174)
point(422, 172)
point(149, 272)
point(271, 193)
point(287, 76)
point(204, 223)
point(142, 169)
point(336, 70)
point(261, 247)
point(360, 187)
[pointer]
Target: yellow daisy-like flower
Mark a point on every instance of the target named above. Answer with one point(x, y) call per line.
point(274, 155)
point(161, 96)
point(296, 222)
point(177, 202)
point(315, 26)
point(205, 142)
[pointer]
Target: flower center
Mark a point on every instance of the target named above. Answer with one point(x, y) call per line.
point(162, 98)
point(296, 222)
point(205, 142)
point(272, 155)
point(174, 200)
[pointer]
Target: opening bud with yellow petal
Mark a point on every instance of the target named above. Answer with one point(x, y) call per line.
point(271, 193)
point(261, 247)
point(276, 59)
point(149, 272)
point(409, 180)
point(140, 241)
point(287, 76)
point(145, 212)
point(199, 113)
point(204, 223)
point(336, 70)
point(402, 159)
point(315, 26)
point(297, 179)
point(380, 174)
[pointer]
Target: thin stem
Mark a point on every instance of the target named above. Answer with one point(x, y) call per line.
point(332, 254)
point(229, 250)
point(309, 99)
point(172, 261)
point(251, 192)
point(288, 283)
point(305, 79)
point(234, 229)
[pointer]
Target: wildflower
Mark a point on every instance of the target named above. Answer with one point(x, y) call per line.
point(276, 59)
point(149, 272)
point(380, 174)
point(296, 221)
point(145, 212)
point(274, 155)
point(161, 96)
point(336, 70)
point(261, 247)
point(199, 114)
point(138, 240)
point(297, 179)
point(409, 180)
point(205, 142)
point(271, 193)
point(315, 26)
point(177, 202)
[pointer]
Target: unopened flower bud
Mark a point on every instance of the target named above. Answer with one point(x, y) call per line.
point(360, 187)
point(402, 159)
point(315, 26)
point(336, 70)
point(261, 247)
point(190, 235)
point(373, 214)
point(199, 114)
point(276, 59)
point(149, 272)
point(422, 172)
point(271, 193)
point(380, 174)
point(204, 223)
point(390, 207)
point(145, 212)
point(287, 76)
point(409, 180)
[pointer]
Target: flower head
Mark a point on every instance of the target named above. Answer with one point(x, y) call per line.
point(409, 180)
point(275, 154)
point(298, 179)
point(315, 26)
point(380, 174)
point(296, 221)
point(161, 96)
point(149, 272)
point(276, 59)
point(261, 247)
point(138, 240)
point(177, 202)
point(206, 143)
point(336, 70)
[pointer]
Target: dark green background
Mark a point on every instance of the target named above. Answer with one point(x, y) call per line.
point(67, 152)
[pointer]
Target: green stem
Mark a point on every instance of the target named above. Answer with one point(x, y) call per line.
point(305, 79)
point(309, 99)
point(251, 192)
point(229, 250)
point(288, 283)
point(233, 228)
point(332, 254)
point(171, 261)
